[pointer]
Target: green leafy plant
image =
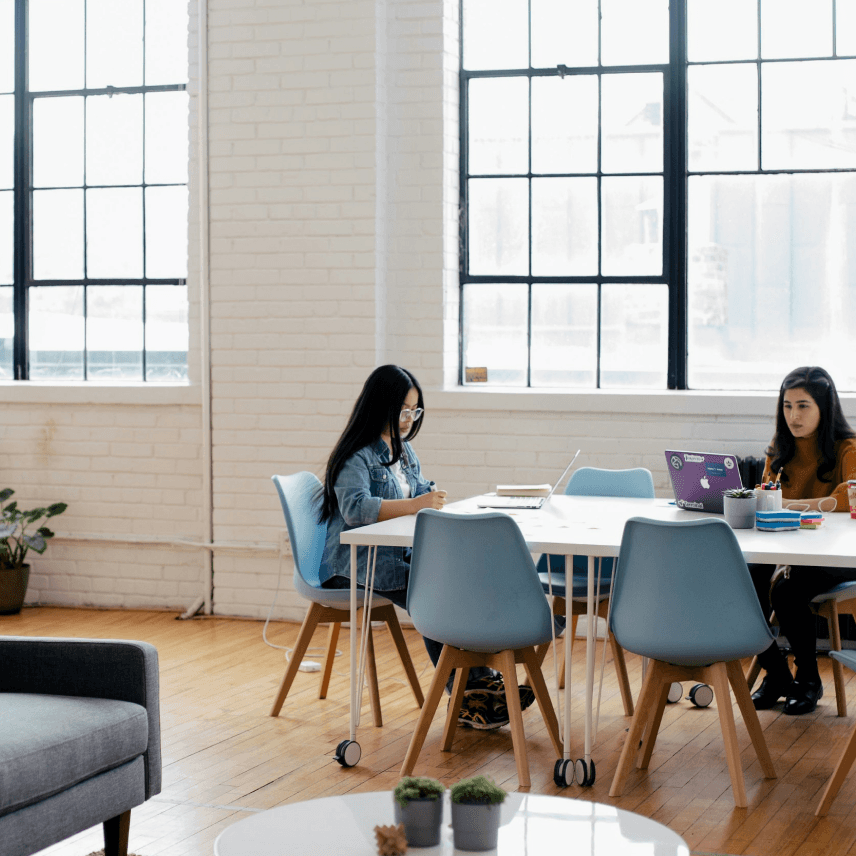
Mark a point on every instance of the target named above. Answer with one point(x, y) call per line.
point(479, 790)
point(417, 788)
point(17, 535)
point(739, 492)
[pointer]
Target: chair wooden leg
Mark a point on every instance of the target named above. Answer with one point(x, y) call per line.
point(719, 680)
point(621, 672)
point(574, 620)
point(461, 675)
point(515, 717)
point(435, 693)
point(830, 613)
point(542, 696)
point(750, 717)
point(310, 622)
point(404, 655)
point(836, 780)
point(752, 674)
point(371, 674)
point(332, 639)
point(654, 720)
point(116, 832)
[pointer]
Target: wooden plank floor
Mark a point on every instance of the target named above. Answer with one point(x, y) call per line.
point(224, 757)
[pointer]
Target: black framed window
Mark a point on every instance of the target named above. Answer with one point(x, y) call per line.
point(657, 195)
point(93, 189)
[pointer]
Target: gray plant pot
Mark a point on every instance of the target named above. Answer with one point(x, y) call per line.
point(13, 589)
point(740, 511)
point(422, 820)
point(475, 827)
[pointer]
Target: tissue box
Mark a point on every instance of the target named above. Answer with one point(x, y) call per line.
point(811, 520)
point(777, 521)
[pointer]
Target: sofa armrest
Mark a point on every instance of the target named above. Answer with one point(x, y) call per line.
point(93, 668)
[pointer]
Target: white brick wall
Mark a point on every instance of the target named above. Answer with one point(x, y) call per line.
point(333, 247)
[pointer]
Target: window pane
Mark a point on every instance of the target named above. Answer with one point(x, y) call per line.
point(498, 126)
point(796, 28)
point(166, 42)
point(56, 33)
point(114, 43)
point(634, 32)
point(166, 232)
point(564, 124)
point(166, 332)
point(845, 31)
point(632, 123)
point(805, 122)
point(57, 234)
point(166, 137)
point(564, 226)
point(114, 139)
point(114, 233)
point(114, 332)
point(7, 45)
point(720, 30)
point(56, 333)
point(772, 278)
point(632, 215)
point(499, 226)
point(564, 335)
point(634, 336)
point(7, 141)
point(7, 333)
point(495, 318)
point(7, 237)
point(722, 117)
point(496, 34)
point(564, 32)
point(58, 142)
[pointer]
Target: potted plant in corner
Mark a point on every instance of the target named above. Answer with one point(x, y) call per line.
point(17, 538)
point(476, 809)
point(739, 507)
point(419, 806)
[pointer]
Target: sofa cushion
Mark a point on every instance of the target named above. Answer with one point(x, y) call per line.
point(49, 743)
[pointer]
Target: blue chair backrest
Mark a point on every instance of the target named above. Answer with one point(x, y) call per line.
point(473, 583)
point(683, 594)
point(591, 481)
point(300, 496)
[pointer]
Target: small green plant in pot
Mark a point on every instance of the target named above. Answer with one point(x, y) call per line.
point(20, 533)
point(476, 810)
point(739, 504)
point(419, 806)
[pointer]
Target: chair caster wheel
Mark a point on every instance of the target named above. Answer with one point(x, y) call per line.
point(701, 695)
point(348, 753)
point(560, 773)
point(676, 692)
point(583, 774)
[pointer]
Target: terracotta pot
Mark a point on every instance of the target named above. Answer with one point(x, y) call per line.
point(13, 589)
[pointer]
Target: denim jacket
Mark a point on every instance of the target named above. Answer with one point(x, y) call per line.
point(362, 483)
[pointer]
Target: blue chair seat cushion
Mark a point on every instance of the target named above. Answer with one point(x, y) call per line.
point(74, 739)
point(579, 589)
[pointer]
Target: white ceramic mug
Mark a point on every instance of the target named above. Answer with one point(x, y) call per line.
point(769, 500)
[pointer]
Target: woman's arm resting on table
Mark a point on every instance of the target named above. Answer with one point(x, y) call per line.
point(390, 508)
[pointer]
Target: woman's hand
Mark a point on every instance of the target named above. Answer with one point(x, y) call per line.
point(433, 499)
point(391, 508)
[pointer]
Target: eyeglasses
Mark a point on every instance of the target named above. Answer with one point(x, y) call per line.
point(407, 415)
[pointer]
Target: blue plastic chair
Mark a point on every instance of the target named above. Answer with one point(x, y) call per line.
point(683, 597)
point(845, 762)
point(300, 495)
point(474, 588)
point(592, 481)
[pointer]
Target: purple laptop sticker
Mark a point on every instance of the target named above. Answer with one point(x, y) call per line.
point(699, 479)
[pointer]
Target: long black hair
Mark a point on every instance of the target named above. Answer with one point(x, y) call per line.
point(377, 406)
point(833, 424)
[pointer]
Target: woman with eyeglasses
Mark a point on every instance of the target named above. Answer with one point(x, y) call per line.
point(373, 474)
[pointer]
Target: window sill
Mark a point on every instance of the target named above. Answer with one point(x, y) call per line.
point(104, 392)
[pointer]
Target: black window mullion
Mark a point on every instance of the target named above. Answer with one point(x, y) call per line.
point(22, 229)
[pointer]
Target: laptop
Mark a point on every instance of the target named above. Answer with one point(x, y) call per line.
point(699, 478)
point(524, 501)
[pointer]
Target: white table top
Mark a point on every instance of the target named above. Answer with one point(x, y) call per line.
point(592, 526)
point(531, 824)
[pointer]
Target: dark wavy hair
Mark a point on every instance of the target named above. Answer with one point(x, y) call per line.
point(377, 406)
point(833, 424)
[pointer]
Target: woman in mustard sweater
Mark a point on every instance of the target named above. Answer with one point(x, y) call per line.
point(815, 448)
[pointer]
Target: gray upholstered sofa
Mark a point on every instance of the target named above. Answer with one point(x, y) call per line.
point(79, 739)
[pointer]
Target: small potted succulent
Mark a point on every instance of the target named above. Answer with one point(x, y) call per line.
point(16, 540)
point(419, 806)
point(476, 810)
point(739, 507)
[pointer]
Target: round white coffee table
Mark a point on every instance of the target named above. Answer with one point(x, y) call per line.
point(531, 824)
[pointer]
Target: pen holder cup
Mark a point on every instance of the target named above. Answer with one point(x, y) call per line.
point(769, 500)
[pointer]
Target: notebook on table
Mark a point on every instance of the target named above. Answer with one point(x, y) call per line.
point(699, 479)
point(524, 501)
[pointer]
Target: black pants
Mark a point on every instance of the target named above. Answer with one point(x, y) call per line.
point(790, 600)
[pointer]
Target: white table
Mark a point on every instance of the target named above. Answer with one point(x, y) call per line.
point(593, 526)
point(344, 826)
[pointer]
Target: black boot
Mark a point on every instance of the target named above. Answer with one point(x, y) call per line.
point(803, 697)
point(773, 687)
